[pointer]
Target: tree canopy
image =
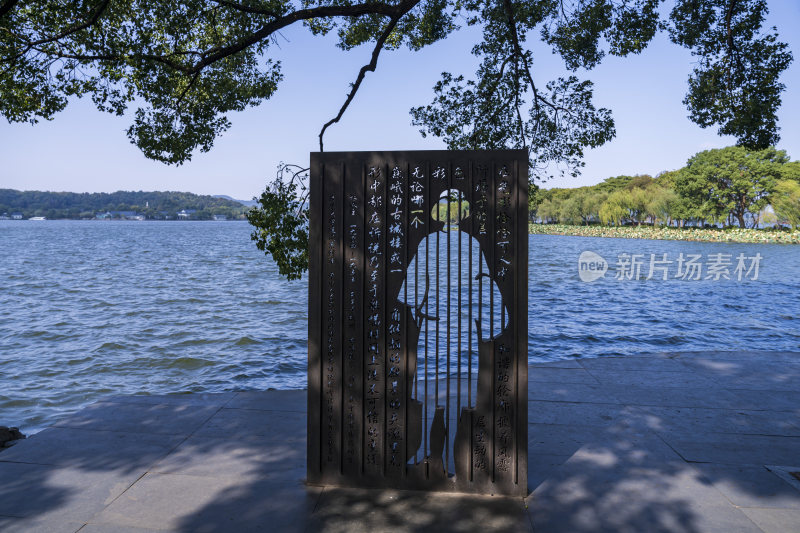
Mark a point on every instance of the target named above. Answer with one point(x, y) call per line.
point(723, 186)
point(187, 64)
point(731, 180)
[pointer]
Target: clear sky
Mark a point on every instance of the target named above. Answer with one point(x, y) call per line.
point(83, 150)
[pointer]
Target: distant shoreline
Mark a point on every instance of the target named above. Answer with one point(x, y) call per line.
point(737, 235)
point(119, 205)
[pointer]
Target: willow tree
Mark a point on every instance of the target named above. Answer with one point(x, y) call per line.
point(186, 64)
point(786, 202)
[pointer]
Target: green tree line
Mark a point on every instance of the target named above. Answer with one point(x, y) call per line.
point(728, 186)
point(152, 205)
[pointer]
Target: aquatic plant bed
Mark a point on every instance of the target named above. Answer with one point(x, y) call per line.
point(756, 236)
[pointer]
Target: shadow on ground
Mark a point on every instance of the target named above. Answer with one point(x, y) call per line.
point(662, 445)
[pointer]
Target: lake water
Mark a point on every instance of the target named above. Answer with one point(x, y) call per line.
point(89, 309)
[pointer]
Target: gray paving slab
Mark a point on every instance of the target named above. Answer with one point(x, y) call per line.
point(624, 364)
point(541, 466)
point(213, 504)
point(712, 397)
point(559, 439)
point(189, 398)
point(714, 367)
point(36, 525)
point(272, 400)
point(163, 419)
point(560, 375)
point(775, 373)
point(227, 457)
point(775, 520)
point(93, 449)
point(753, 375)
point(791, 358)
point(790, 474)
point(609, 441)
point(604, 489)
point(650, 378)
point(280, 426)
point(751, 486)
point(581, 414)
point(566, 439)
point(58, 494)
point(728, 448)
point(366, 511)
point(772, 384)
point(764, 400)
point(570, 392)
point(565, 363)
point(111, 528)
point(693, 420)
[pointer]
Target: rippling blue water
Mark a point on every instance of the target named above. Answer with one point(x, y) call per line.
point(570, 318)
point(89, 309)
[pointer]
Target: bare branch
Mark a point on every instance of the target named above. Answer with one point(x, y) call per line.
point(520, 122)
point(405, 7)
point(512, 25)
point(515, 41)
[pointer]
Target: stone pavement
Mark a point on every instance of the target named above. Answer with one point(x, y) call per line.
point(699, 442)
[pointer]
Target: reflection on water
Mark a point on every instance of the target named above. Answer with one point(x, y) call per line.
point(89, 309)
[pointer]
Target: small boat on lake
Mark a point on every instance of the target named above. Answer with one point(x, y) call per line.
point(37, 218)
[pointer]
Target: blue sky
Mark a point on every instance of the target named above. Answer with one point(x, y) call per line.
point(83, 150)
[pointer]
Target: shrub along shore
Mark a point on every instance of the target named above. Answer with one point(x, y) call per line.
point(757, 236)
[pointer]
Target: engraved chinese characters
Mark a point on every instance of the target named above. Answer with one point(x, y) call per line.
point(405, 304)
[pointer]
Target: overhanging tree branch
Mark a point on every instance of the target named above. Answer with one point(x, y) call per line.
point(195, 60)
point(93, 18)
point(512, 24)
point(215, 54)
point(34, 45)
point(369, 67)
point(377, 8)
point(732, 49)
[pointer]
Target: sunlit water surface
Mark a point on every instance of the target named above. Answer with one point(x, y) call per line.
point(89, 309)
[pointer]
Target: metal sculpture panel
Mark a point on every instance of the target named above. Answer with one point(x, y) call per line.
point(418, 320)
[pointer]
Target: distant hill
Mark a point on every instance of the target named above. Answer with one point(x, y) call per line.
point(156, 205)
point(246, 203)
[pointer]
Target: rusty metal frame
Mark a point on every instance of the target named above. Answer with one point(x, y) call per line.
point(374, 418)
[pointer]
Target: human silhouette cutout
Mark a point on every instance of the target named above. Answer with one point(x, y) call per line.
point(456, 249)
